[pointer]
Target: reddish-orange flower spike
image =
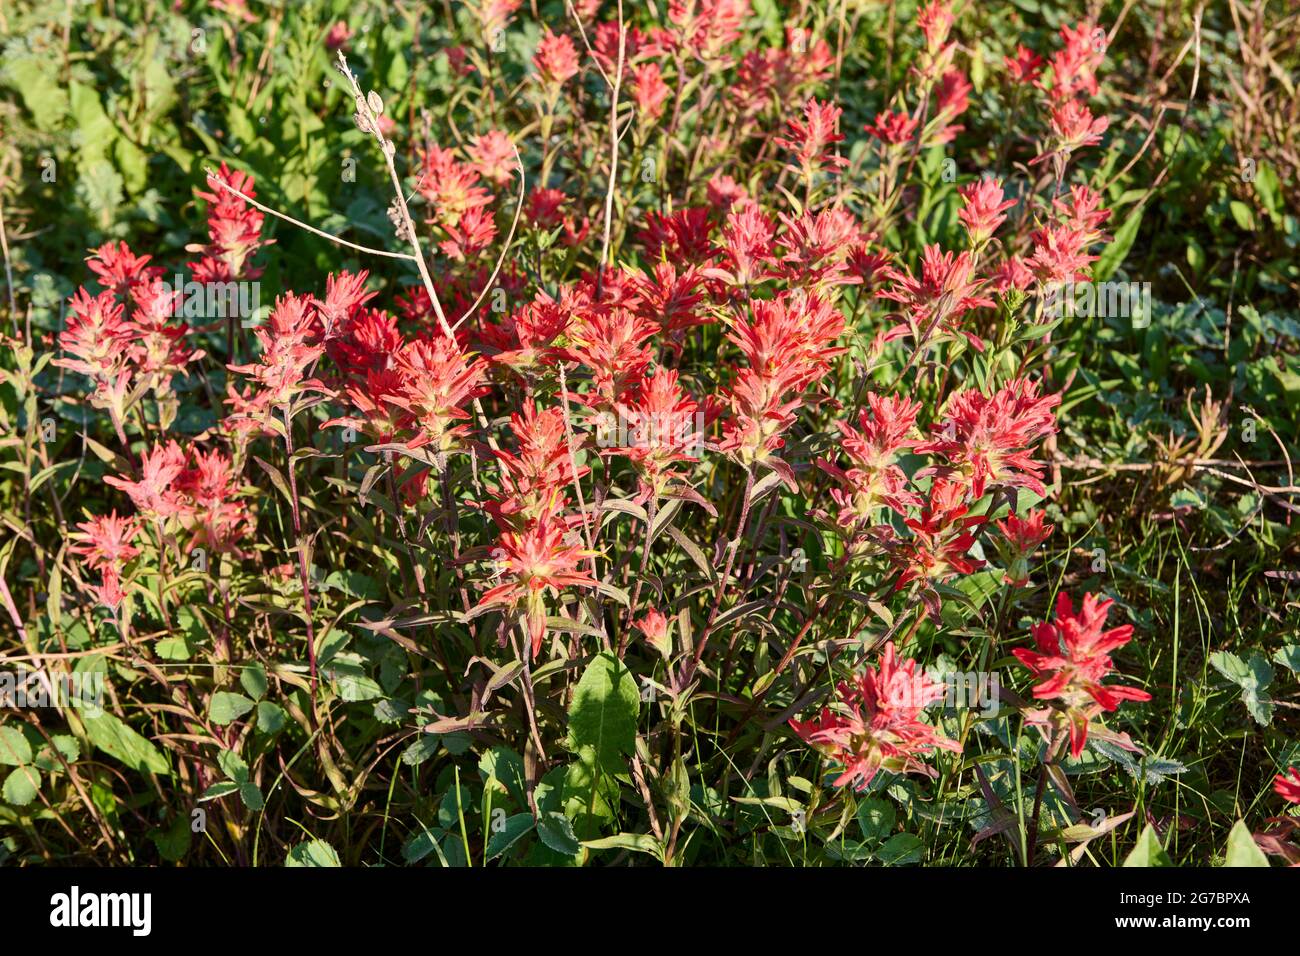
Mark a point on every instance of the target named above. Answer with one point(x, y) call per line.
point(1074, 657)
point(812, 139)
point(874, 480)
point(892, 129)
point(649, 91)
point(946, 289)
point(988, 441)
point(942, 537)
point(536, 560)
point(1021, 537)
point(876, 723)
point(983, 209)
point(1288, 785)
point(234, 230)
point(155, 495)
point(556, 59)
point(104, 543)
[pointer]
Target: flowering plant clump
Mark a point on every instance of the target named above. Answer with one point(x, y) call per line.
point(624, 433)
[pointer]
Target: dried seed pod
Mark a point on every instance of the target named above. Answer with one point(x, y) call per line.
point(376, 104)
point(363, 124)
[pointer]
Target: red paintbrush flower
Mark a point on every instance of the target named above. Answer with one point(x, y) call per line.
point(556, 60)
point(983, 209)
point(119, 269)
point(1021, 537)
point(1074, 656)
point(876, 723)
point(156, 494)
point(104, 543)
point(234, 231)
point(493, 156)
point(649, 91)
point(940, 545)
point(873, 480)
point(946, 289)
point(812, 139)
point(535, 561)
point(892, 129)
point(1288, 785)
point(987, 440)
point(290, 343)
point(1025, 67)
point(658, 426)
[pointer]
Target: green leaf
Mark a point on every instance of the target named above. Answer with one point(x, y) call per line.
point(253, 680)
point(1242, 850)
point(116, 739)
point(876, 818)
point(511, 829)
point(312, 853)
point(1289, 657)
point(421, 750)
point(603, 713)
point(557, 833)
point(900, 849)
point(15, 751)
point(1149, 851)
point(227, 707)
point(21, 785)
point(634, 842)
point(174, 842)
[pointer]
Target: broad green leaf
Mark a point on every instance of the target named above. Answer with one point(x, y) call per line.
point(1242, 850)
point(15, 751)
point(1149, 851)
point(116, 739)
point(312, 853)
point(21, 785)
point(603, 713)
point(557, 833)
point(227, 707)
point(511, 829)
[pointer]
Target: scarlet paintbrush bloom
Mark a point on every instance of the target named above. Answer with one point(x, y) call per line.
point(366, 342)
point(1021, 538)
point(983, 209)
point(988, 440)
point(290, 343)
point(1074, 66)
point(1025, 67)
point(1074, 656)
point(234, 230)
point(875, 724)
point(556, 60)
point(1073, 127)
point(99, 341)
point(892, 129)
point(816, 248)
point(683, 237)
point(649, 91)
point(787, 344)
point(671, 300)
point(493, 15)
point(611, 343)
point(470, 236)
point(812, 139)
point(545, 207)
point(1061, 254)
point(216, 517)
point(534, 477)
point(654, 627)
point(525, 341)
point(1011, 273)
point(746, 246)
point(951, 100)
point(339, 35)
point(104, 543)
point(449, 187)
point(1288, 785)
point(345, 294)
point(940, 545)
point(493, 156)
point(946, 289)
point(1083, 212)
point(119, 269)
point(156, 494)
point(438, 381)
point(873, 480)
point(535, 561)
point(659, 426)
point(161, 349)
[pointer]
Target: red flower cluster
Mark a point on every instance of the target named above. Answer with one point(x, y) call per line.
point(876, 723)
point(1074, 656)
